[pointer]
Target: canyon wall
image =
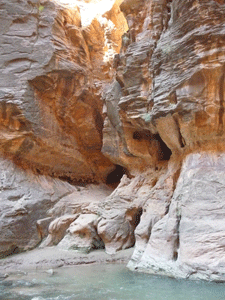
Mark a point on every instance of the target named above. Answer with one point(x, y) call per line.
point(131, 93)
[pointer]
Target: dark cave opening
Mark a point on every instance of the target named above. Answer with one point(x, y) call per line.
point(113, 178)
point(164, 152)
point(137, 218)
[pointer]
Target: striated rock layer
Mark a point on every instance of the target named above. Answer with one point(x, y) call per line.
point(168, 95)
point(52, 72)
point(131, 93)
point(189, 240)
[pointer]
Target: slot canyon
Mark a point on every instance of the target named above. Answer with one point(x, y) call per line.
point(112, 131)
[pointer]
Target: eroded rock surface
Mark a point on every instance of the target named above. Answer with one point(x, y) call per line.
point(57, 229)
point(34, 207)
point(53, 69)
point(24, 199)
point(119, 215)
point(82, 234)
point(134, 91)
point(189, 240)
point(165, 102)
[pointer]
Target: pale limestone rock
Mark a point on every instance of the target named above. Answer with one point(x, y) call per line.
point(120, 213)
point(28, 204)
point(42, 226)
point(156, 206)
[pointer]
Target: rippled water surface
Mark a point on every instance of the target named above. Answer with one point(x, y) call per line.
point(104, 282)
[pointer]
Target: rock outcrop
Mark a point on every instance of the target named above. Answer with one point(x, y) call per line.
point(189, 240)
point(130, 95)
point(35, 207)
point(53, 70)
point(26, 198)
point(82, 234)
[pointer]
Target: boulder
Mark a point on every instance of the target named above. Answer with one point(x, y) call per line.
point(120, 214)
point(82, 234)
point(57, 230)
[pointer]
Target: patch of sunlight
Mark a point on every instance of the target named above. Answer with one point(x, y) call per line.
point(89, 9)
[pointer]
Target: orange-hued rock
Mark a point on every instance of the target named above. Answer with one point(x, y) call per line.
point(137, 144)
point(53, 70)
point(166, 102)
point(97, 91)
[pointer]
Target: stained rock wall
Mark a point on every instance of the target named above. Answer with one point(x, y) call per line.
point(132, 95)
point(168, 97)
point(52, 72)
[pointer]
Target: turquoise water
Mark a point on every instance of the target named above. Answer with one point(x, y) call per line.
point(104, 282)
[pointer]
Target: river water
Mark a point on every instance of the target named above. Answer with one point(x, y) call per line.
point(104, 282)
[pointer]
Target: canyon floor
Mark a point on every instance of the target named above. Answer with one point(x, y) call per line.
point(52, 258)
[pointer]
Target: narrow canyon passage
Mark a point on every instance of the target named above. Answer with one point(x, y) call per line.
point(112, 132)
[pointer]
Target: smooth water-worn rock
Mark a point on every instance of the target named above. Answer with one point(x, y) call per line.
point(82, 234)
point(189, 240)
point(34, 207)
point(57, 229)
point(24, 200)
point(128, 93)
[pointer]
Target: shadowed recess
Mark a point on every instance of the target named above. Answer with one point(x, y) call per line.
point(164, 152)
point(113, 178)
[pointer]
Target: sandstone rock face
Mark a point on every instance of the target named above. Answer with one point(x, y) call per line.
point(132, 90)
point(25, 198)
point(120, 213)
point(39, 209)
point(169, 79)
point(189, 240)
point(53, 69)
point(130, 212)
point(137, 143)
point(166, 101)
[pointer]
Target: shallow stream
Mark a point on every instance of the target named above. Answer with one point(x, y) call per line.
point(104, 282)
